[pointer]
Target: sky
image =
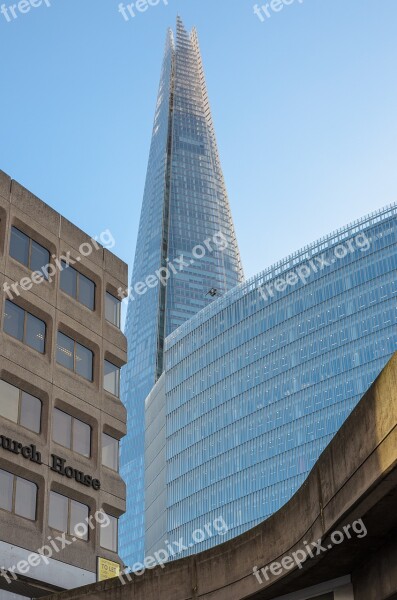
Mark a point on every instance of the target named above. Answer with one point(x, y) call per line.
point(304, 105)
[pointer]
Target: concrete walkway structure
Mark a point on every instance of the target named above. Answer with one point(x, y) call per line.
point(354, 481)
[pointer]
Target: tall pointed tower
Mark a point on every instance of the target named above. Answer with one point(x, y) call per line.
point(186, 254)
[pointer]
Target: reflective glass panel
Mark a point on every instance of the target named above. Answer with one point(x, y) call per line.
point(110, 452)
point(78, 516)
point(30, 416)
point(65, 351)
point(84, 362)
point(86, 294)
point(112, 309)
point(61, 428)
point(111, 381)
point(14, 320)
point(35, 333)
point(68, 280)
point(9, 401)
point(58, 512)
point(6, 490)
point(108, 536)
point(19, 246)
point(25, 498)
point(81, 438)
point(39, 257)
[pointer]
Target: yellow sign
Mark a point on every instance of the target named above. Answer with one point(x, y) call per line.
point(107, 569)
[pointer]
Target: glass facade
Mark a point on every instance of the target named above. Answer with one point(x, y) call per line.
point(186, 252)
point(258, 383)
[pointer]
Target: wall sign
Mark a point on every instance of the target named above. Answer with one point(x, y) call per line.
point(107, 569)
point(58, 464)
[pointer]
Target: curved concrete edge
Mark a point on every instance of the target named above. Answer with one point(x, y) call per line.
point(354, 473)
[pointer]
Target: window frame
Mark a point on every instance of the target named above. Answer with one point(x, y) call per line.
point(117, 470)
point(117, 534)
point(71, 447)
point(117, 394)
point(31, 240)
point(118, 318)
point(69, 532)
point(26, 313)
point(65, 266)
point(75, 343)
point(18, 421)
point(14, 496)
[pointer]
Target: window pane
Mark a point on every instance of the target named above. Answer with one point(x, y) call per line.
point(111, 378)
point(30, 412)
point(65, 350)
point(58, 513)
point(112, 309)
point(86, 292)
point(39, 257)
point(81, 438)
point(109, 535)
point(13, 320)
point(61, 428)
point(19, 246)
point(9, 401)
point(78, 514)
point(35, 333)
point(69, 280)
point(83, 362)
point(25, 499)
point(6, 489)
point(110, 452)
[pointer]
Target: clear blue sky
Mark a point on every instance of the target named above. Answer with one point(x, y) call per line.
point(304, 106)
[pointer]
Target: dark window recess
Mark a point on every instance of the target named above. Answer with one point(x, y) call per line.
point(28, 252)
point(25, 327)
point(74, 356)
point(78, 286)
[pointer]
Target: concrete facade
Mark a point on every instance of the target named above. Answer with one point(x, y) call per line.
point(57, 387)
point(354, 481)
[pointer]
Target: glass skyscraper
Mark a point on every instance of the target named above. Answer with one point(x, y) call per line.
point(258, 383)
point(186, 254)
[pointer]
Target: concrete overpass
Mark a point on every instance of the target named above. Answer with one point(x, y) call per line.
point(354, 481)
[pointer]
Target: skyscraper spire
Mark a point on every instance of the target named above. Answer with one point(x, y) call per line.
point(186, 254)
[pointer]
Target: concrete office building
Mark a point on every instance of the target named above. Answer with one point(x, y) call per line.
point(61, 419)
point(258, 383)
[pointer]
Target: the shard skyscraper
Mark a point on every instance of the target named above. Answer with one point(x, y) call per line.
point(186, 254)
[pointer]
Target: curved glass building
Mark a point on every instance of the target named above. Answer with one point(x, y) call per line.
point(257, 383)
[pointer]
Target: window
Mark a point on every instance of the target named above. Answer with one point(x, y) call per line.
point(28, 252)
point(112, 310)
point(111, 378)
point(108, 534)
point(20, 407)
point(110, 452)
point(17, 495)
point(74, 356)
point(78, 286)
point(24, 327)
point(71, 433)
point(65, 514)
